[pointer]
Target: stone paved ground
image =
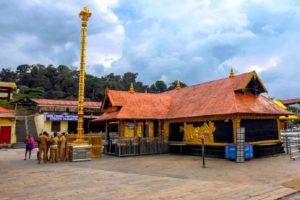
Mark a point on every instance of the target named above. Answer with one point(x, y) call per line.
point(147, 177)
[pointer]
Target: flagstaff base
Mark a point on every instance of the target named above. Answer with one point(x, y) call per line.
point(80, 153)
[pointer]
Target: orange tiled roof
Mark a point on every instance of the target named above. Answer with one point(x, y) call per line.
point(290, 101)
point(67, 103)
point(6, 113)
point(4, 110)
point(207, 99)
point(139, 105)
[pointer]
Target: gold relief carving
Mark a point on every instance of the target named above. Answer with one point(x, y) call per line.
point(194, 134)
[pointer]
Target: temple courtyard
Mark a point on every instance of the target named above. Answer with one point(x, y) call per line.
point(148, 177)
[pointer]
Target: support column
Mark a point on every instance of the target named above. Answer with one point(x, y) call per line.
point(106, 130)
point(236, 123)
point(159, 129)
point(144, 129)
point(150, 129)
point(279, 129)
point(135, 128)
point(120, 128)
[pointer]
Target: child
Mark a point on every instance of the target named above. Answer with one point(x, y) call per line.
point(28, 143)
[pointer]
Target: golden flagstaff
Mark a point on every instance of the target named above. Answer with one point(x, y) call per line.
point(84, 14)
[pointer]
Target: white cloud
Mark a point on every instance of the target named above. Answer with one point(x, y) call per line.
point(191, 40)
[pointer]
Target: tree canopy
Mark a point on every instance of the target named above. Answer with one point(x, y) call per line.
point(61, 82)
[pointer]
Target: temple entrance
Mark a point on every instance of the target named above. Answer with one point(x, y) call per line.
point(5, 134)
point(72, 127)
point(175, 133)
point(113, 130)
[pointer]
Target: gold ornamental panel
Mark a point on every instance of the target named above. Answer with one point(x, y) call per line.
point(194, 134)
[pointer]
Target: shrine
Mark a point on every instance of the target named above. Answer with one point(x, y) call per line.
point(7, 117)
point(216, 108)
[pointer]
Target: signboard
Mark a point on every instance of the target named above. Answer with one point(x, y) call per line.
point(56, 117)
point(130, 126)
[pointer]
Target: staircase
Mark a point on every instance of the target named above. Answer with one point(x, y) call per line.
point(25, 125)
point(19, 145)
point(31, 128)
point(20, 129)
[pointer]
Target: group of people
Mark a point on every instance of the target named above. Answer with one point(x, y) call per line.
point(55, 144)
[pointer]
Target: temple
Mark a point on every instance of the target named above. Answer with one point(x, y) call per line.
point(216, 108)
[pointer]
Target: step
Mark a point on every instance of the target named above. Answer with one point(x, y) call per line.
point(19, 145)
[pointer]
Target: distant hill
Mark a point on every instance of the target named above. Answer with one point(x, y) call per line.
point(61, 82)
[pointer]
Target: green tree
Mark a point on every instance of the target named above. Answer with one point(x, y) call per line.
point(8, 75)
point(158, 87)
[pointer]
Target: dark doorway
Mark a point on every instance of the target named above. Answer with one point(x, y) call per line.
point(72, 127)
point(260, 129)
point(224, 131)
point(175, 133)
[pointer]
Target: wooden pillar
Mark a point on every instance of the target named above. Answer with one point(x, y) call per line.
point(150, 129)
point(135, 128)
point(120, 128)
point(166, 130)
point(106, 130)
point(144, 128)
point(159, 129)
point(279, 129)
point(236, 123)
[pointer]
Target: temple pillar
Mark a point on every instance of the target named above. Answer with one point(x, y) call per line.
point(119, 128)
point(236, 123)
point(159, 129)
point(135, 128)
point(144, 128)
point(106, 130)
point(279, 128)
point(166, 130)
point(150, 129)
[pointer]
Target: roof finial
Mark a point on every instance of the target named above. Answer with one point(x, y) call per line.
point(131, 90)
point(231, 74)
point(178, 85)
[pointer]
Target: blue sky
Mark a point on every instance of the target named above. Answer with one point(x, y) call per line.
point(190, 40)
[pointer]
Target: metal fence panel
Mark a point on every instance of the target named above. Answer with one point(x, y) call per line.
point(291, 144)
point(135, 146)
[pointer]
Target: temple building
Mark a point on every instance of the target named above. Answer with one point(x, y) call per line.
point(215, 109)
point(34, 116)
point(7, 117)
point(7, 126)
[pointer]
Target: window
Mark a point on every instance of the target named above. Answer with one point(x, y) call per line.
point(55, 127)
